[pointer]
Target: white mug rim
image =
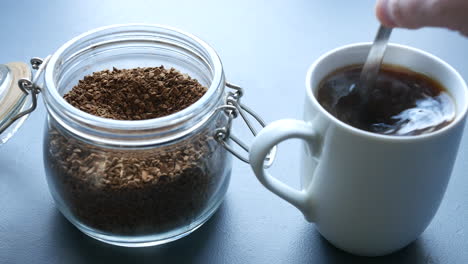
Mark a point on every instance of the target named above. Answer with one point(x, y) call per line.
point(458, 118)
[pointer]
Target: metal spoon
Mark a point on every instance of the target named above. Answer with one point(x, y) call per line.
point(371, 67)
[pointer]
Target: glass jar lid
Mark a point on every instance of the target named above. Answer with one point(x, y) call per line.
point(5, 80)
point(12, 98)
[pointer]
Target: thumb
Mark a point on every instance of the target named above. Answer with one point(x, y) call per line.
point(422, 13)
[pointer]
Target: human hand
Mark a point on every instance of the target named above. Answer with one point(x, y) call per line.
point(451, 14)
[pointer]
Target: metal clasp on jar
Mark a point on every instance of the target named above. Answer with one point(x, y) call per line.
point(29, 87)
point(234, 108)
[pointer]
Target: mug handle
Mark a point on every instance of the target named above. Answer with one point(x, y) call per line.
point(269, 137)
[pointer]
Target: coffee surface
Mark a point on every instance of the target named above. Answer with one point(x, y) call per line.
point(135, 94)
point(402, 102)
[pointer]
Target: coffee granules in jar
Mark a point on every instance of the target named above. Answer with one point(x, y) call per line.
point(135, 94)
point(139, 191)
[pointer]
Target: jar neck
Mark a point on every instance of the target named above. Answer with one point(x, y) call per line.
point(130, 46)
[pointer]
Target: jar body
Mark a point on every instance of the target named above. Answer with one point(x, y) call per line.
point(135, 183)
point(150, 194)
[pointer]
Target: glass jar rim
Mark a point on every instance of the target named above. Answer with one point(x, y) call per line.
point(51, 93)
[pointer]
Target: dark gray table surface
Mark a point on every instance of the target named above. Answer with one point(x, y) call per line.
point(266, 47)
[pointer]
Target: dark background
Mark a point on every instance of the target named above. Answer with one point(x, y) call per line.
point(266, 47)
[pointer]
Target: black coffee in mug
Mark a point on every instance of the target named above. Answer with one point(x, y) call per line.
point(401, 102)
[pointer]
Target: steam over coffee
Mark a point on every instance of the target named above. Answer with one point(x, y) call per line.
point(402, 102)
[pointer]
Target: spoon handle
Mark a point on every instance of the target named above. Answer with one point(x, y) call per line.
point(371, 67)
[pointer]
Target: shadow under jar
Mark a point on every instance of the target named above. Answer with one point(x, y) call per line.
point(135, 183)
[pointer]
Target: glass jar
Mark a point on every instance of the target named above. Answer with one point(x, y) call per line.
point(131, 183)
point(135, 183)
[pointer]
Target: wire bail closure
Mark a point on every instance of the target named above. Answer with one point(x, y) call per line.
point(233, 108)
point(29, 87)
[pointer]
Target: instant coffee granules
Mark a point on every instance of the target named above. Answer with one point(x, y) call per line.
point(135, 94)
point(135, 192)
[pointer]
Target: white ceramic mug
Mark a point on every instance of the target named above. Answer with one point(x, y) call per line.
point(368, 194)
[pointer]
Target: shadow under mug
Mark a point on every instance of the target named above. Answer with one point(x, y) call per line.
point(368, 194)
